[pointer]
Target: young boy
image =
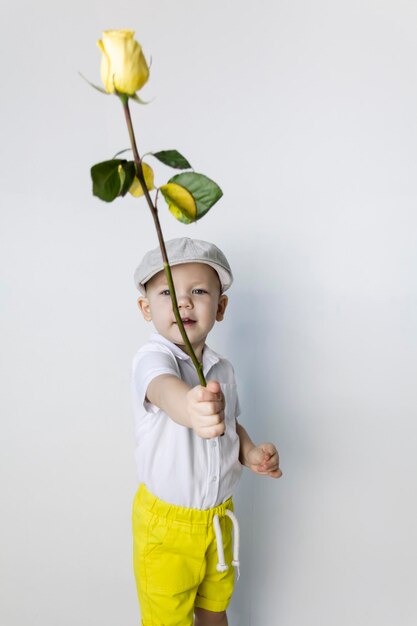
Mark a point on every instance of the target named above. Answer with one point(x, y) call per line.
point(189, 446)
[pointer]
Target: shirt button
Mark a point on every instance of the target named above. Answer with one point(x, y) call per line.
point(214, 479)
point(214, 443)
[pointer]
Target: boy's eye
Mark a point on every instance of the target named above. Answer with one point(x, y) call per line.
point(165, 292)
point(199, 292)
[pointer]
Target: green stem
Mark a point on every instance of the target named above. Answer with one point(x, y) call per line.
point(167, 268)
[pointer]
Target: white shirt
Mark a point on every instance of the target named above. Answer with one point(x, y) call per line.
point(174, 463)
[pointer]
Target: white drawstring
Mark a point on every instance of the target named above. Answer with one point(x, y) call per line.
point(236, 540)
point(221, 565)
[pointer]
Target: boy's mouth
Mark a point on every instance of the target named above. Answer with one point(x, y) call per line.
point(187, 321)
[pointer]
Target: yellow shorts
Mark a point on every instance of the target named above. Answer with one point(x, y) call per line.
point(175, 560)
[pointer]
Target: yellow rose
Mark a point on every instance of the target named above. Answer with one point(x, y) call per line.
point(123, 66)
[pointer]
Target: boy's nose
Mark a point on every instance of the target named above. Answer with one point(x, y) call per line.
point(184, 302)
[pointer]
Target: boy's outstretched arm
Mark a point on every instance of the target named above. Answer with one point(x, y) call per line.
point(262, 459)
point(199, 408)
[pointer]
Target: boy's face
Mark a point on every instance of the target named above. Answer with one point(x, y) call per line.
point(200, 303)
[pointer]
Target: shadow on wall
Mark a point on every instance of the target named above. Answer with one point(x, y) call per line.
point(275, 362)
point(251, 342)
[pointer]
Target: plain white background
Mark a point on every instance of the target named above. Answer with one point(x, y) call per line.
point(306, 114)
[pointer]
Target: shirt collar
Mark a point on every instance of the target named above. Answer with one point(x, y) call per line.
point(210, 357)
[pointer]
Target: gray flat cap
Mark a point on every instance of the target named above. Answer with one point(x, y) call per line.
point(184, 250)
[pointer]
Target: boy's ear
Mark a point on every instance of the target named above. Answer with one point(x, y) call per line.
point(145, 309)
point(221, 307)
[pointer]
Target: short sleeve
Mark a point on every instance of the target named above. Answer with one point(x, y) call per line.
point(147, 365)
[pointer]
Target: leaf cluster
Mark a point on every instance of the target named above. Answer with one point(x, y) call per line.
point(189, 195)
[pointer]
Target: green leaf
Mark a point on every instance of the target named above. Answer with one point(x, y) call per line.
point(136, 188)
point(172, 158)
point(129, 171)
point(180, 202)
point(107, 182)
point(204, 190)
point(122, 152)
point(100, 89)
point(136, 98)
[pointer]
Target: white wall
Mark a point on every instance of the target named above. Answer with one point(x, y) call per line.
point(306, 115)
